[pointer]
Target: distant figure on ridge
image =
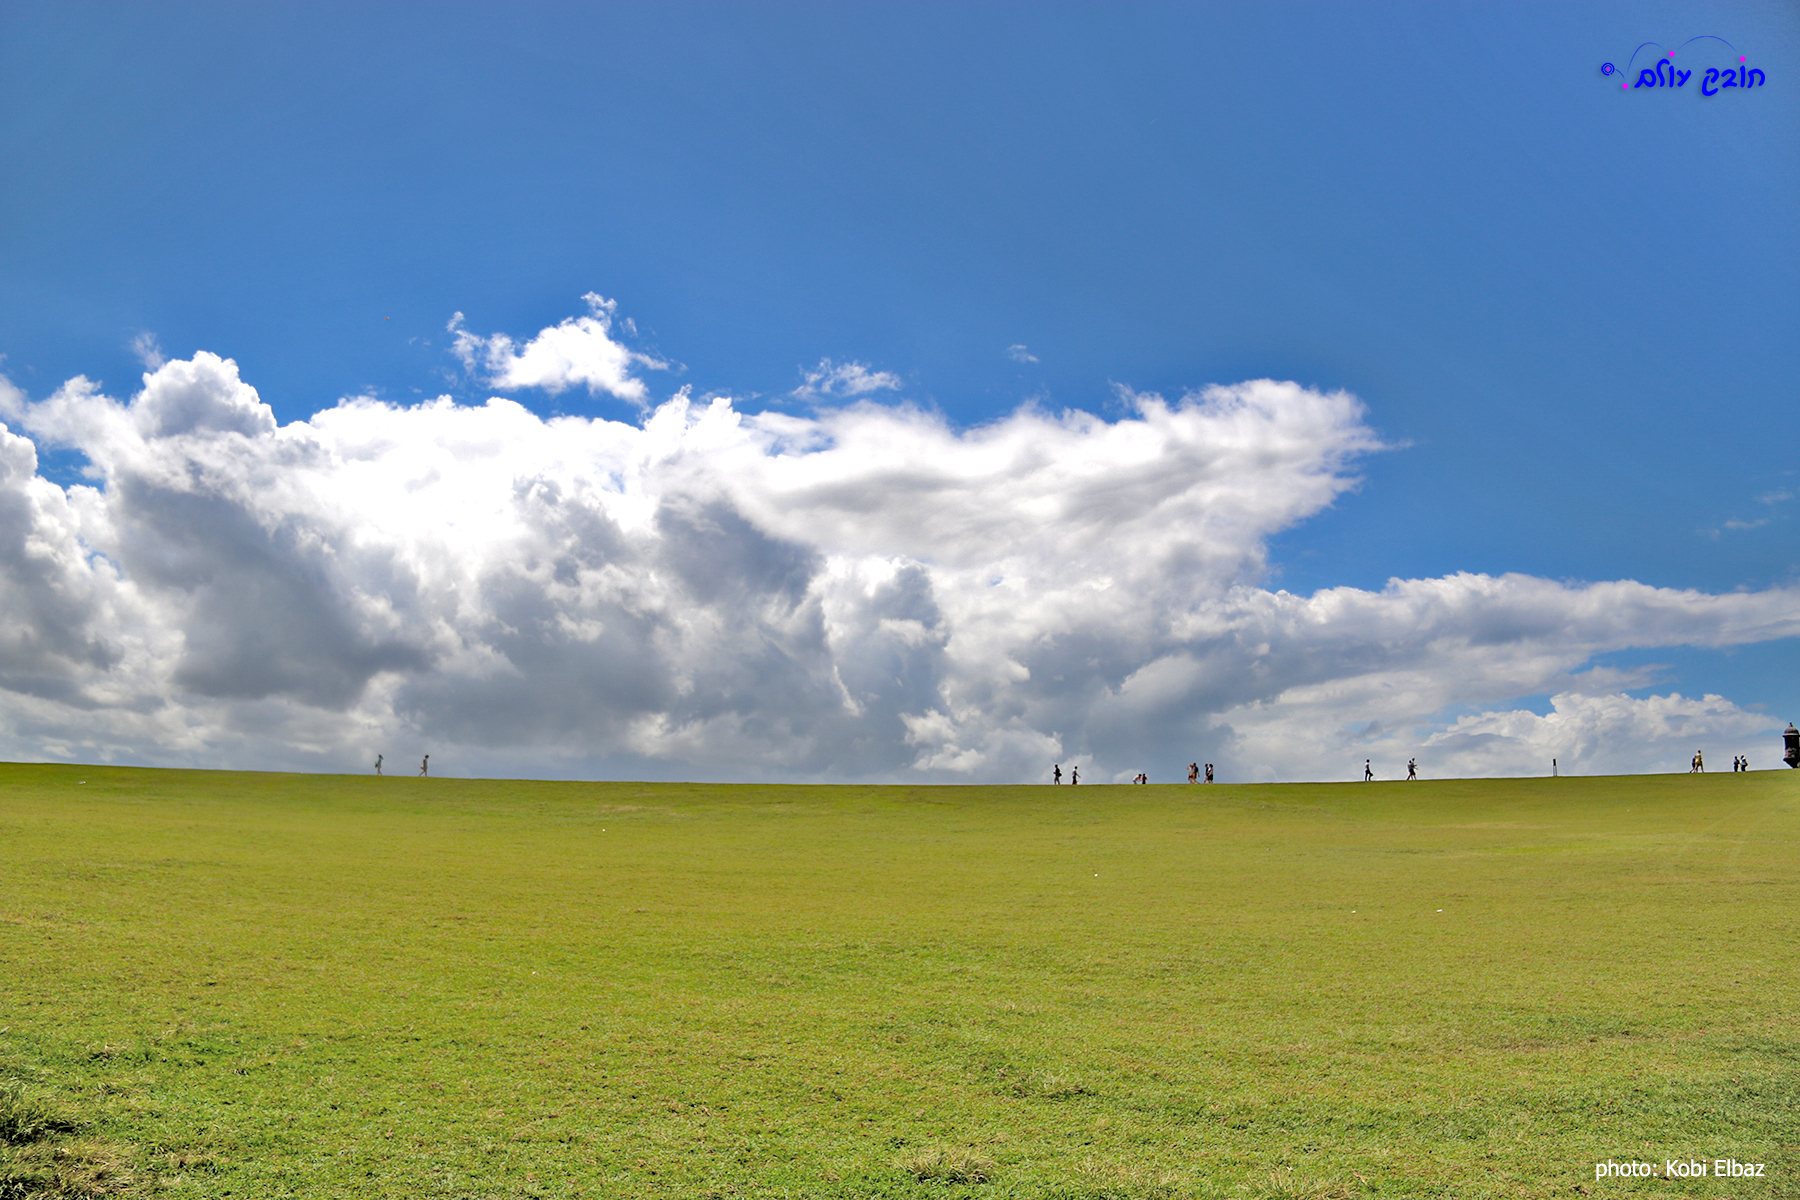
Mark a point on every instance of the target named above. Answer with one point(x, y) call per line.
point(1141, 778)
point(1056, 775)
point(1412, 768)
point(1368, 771)
point(425, 764)
point(1074, 776)
point(1193, 772)
point(1209, 772)
point(1699, 763)
point(378, 759)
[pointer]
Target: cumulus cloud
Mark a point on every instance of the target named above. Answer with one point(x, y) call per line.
point(840, 380)
point(579, 351)
point(1612, 734)
point(866, 592)
point(1020, 354)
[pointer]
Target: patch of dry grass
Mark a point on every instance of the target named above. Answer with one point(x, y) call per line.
point(947, 1164)
point(39, 1160)
point(26, 1117)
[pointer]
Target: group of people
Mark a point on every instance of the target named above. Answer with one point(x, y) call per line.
point(1197, 772)
point(1412, 769)
point(1739, 762)
point(1056, 774)
point(424, 764)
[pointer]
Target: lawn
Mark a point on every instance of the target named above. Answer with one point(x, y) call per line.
point(262, 985)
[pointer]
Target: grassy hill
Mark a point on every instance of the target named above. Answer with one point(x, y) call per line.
point(278, 985)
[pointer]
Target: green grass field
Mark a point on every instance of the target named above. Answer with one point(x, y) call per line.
point(218, 984)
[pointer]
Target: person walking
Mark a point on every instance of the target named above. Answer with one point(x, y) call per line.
point(425, 765)
point(1412, 769)
point(1209, 774)
point(1368, 771)
point(1193, 772)
point(378, 759)
point(1074, 776)
point(1056, 774)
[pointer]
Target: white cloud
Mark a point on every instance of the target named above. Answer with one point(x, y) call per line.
point(579, 351)
point(1605, 735)
point(845, 380)
point(866, 592)
point(148, 350)
point(1020, 354)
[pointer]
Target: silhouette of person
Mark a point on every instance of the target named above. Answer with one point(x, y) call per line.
point(1193, 772)
point(378, 759)
point(1368, 771)
point(1209, 777)
point(425, 764)
point(1074, 776)
point(1412, 768)
point(1056, 775)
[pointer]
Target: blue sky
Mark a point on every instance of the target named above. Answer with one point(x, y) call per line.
point(1570, 312)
